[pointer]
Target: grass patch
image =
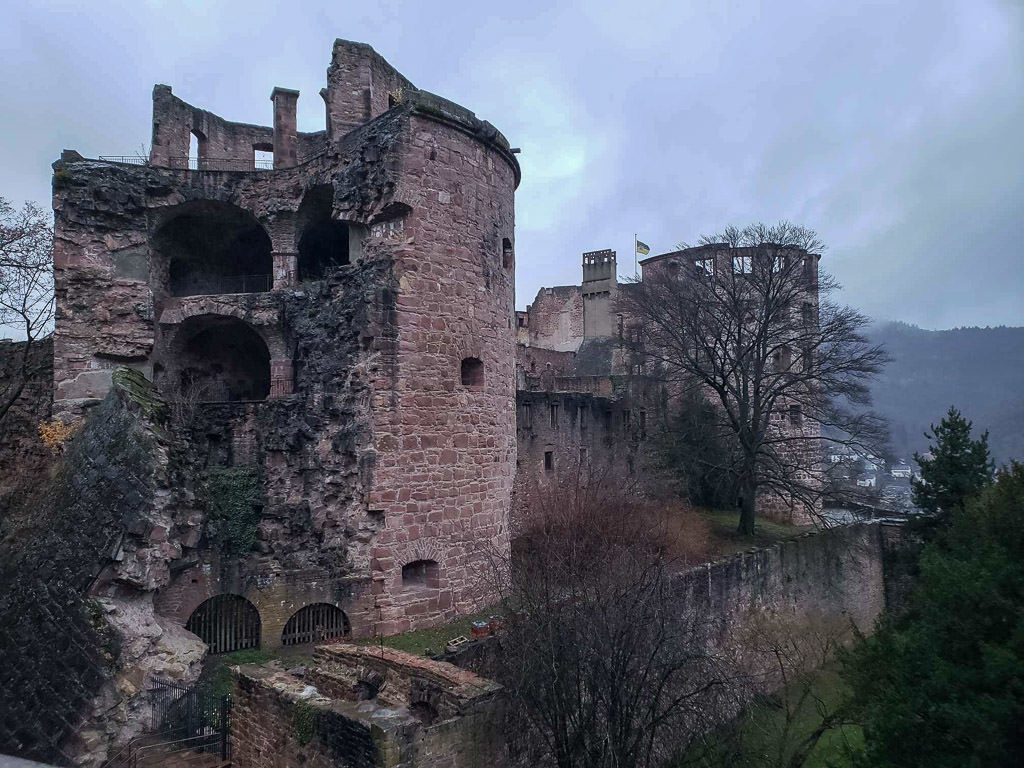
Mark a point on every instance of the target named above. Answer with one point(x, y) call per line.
point(765, 737)
point(430, 641)
point(766, 532)
point(217, 669)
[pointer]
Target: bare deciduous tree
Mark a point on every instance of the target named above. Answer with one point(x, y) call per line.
point(603, 663)
point(26, 290)
point(763, 341)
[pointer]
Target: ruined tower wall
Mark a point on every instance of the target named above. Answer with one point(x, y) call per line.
point(360, 86)
point(556, 319)
point(384, 437)
point(445, 446)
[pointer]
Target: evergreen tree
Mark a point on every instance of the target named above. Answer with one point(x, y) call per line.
point(959, 468)
point(942, 686)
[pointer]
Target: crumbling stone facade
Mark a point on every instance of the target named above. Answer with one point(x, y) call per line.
point(577, 340)
point(341, 323)
point(367, 706)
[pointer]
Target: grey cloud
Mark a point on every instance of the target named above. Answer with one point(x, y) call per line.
point(893, 129)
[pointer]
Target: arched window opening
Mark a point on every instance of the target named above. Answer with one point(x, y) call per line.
point(226, 623)
point(507, 257)
point(323, 246)
point(324, 243)
point(421, 574)
point(263, 157)
point(221, 359)
point(215, 248)
point(472, 372)
point(193, 151)
point(314, 624)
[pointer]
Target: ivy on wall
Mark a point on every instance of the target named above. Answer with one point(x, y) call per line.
point(233, 500)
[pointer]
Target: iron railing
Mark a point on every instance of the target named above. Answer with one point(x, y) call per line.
point(224, 284)
point(207, 163)
point(125, 159)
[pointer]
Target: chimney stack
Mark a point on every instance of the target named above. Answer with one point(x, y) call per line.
point(285, 152)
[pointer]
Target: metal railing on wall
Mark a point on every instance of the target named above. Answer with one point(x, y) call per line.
point(207, 163)
point(226, 284)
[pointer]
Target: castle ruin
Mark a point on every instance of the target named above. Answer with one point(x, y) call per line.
point(339, 319)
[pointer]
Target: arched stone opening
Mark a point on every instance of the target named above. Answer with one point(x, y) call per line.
point(218, 358)
point(213, 248)
point(226, 623)
point(421, 574)
point(315, 623)
point(471, 372)
point(324, 243)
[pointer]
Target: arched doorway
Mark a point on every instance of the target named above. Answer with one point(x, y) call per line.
point(226, 623)
point(221, 359)
point(315, 623)
point(210, 247)
point(324, 243)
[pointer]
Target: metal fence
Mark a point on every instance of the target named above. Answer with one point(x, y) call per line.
point(208, 163)
point(212, 286)
point(186, 719)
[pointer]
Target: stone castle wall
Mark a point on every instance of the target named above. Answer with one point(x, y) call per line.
point(427, 714)
point(346, 390)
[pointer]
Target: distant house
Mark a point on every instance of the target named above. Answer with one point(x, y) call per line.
point(872, 463)
point(901, 469)
point(868, 481)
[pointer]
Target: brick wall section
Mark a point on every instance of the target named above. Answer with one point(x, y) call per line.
point(557, 432)
point(446, 450)
point(556, 318)
point(539, 368)
point(278, 721)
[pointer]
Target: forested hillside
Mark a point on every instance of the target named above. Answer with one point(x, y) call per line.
point(979, 370)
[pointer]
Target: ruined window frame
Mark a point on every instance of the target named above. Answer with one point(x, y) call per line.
point(471, 372)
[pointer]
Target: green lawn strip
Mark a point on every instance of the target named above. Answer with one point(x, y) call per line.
point(766, 532)
point(433, 640)
point(763, 727)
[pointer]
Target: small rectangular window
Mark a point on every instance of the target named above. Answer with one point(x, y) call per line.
point(554, 416)
point(527, 416)
point(583, 418)
point(263, 159)
point(549, 460)
point(796, 416)
point(583, 455)
point(741, 265)
point(625, 421)
point(706, 265)
point(643, 423)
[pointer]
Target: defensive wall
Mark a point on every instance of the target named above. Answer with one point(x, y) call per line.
point(371, 706)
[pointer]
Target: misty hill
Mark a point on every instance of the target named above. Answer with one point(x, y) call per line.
point(979, 370)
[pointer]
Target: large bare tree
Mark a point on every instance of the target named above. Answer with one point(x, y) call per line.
point(26, 291)
point(748, 322)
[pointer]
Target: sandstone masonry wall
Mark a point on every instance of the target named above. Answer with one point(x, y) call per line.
point(427, 714)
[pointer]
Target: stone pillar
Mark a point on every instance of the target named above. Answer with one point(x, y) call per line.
point(285, 101)
point(285, 269)
point(281, 378)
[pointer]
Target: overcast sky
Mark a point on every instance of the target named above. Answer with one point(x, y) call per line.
point(896, 129)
